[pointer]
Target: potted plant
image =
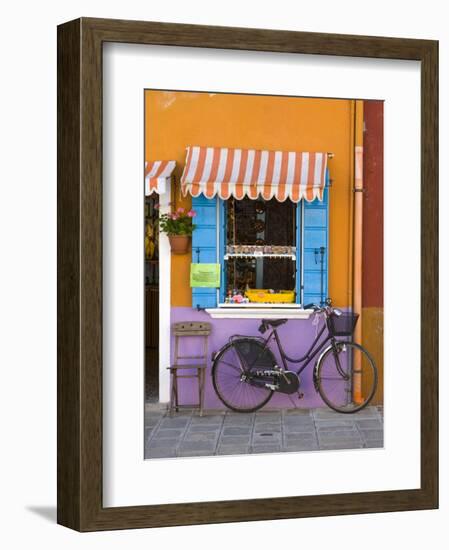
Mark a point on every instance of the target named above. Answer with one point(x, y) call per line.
point(178, 226)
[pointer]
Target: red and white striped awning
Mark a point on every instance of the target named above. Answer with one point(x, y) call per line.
point(156, 174)
point(249, 172)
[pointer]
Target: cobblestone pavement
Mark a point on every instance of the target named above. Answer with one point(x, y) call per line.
point(271, 431)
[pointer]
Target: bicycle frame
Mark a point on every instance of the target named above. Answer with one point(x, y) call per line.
point(310, 354)
point(269, 372)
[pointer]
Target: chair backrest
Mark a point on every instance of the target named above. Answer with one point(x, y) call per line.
point(191, 328)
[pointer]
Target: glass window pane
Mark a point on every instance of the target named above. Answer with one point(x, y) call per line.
point(259, 229)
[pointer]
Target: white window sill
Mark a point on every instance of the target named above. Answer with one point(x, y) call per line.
point(259, 311)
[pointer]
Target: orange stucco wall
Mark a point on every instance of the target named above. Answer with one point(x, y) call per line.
point(175, 120)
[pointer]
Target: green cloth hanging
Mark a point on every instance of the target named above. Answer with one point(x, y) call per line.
point(205, 275)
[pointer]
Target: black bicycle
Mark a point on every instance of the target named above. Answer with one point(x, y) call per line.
point(245, 373)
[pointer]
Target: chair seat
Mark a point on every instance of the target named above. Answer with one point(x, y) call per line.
point(197, 366)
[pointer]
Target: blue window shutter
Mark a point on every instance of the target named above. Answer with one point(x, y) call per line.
point(316, 250)
point(204, 246)
point(222, 247)
point(298, 252)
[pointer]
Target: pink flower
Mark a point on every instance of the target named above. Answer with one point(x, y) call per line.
point(174, 216)
point(180, 210)
point(191, 213)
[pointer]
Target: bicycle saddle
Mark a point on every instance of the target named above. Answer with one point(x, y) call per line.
point(274, 322)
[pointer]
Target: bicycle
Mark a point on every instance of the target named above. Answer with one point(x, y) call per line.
point(245, 373)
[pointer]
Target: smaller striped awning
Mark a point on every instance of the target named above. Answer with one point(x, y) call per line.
point(156, 174)
point(249, 172)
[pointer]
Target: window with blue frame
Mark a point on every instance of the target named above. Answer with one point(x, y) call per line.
point(262, 245)
point(264, 217)
point(260, 249)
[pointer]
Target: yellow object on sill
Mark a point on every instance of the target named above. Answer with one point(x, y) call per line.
point(262, 296)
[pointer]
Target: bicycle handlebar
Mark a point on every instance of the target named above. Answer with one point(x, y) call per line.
point(310, 306)
point(318, 309)
point(326, 308)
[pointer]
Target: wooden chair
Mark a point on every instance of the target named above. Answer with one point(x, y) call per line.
point(182, 330)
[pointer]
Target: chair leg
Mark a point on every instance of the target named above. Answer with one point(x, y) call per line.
point(172, 394)
point(198, 373)
point(201, 382)
point(176, 392)
point(174, 404)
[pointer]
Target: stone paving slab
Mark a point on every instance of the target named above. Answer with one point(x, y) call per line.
point(204, 429)
point(265, 449)
point(160, 453)
point(305, 446)
point(340, 446)
point(197, 446)
point(345, 431)
point(233, 450)
point(188, 453)
point(327, 414)
point(186, 434)
point(368, 424)
point(266, 438)
point(155, 442)
point(372, 434)
point(337, 440)
point(267, 427)
point(235, 440)
point(164, 433)
point(173, 422)
point(198, 436)
point(298, 412)
point(342, 424)
point(299, 438)
point(300, 428)
point(238, 420)
point(268, 417)
point(374, 444)
point(237, 430)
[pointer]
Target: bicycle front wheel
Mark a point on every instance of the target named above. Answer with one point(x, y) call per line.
point(346, 377)
point(236, 375)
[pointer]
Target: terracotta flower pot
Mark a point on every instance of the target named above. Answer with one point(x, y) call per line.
point(180, 244)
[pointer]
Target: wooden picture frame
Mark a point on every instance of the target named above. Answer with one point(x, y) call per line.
point(80, 481)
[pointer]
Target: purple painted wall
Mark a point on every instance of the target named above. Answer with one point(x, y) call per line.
point(296, 337)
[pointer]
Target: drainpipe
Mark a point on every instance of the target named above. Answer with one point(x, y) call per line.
point(358, 244)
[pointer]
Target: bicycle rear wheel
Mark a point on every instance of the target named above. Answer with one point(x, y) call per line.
point(236, 375)
point(346, 377)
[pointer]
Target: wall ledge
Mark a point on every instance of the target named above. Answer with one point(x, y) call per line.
point(258, 313)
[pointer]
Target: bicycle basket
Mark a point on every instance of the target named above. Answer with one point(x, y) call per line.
point(342, 325)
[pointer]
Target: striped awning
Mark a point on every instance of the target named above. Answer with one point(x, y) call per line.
point(248, 172)
point(156, 174)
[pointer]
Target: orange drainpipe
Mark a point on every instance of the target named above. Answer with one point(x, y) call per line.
point(349, 293)
point(358, 239)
